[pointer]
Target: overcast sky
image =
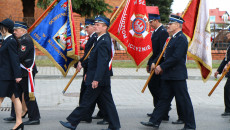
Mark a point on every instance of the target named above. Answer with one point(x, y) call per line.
point(180, 5)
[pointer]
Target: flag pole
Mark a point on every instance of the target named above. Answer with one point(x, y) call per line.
point(217, 83)
point(70, 81)
point(158, 61)
point(42, 15)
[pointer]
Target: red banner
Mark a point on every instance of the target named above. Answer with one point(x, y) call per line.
point(130, 27)
point(190, 17)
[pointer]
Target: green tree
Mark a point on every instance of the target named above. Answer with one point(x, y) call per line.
point(87, 8)
point(164, 8)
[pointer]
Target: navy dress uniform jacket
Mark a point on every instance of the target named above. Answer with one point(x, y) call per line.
point(174, 67)
point(88, 46)
point(9, 69)
point(98, 70)
point(224, 62)
point(158, 40)
point(227, 84)
point(26, 54)
point(100, 56)
point(26, 57)
point(174, 82)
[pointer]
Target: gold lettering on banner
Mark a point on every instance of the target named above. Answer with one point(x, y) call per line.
point(37, 36)
point(57, 17)
point(139, 49)
point(58, 51)
point(121, 28)
point(140, 2)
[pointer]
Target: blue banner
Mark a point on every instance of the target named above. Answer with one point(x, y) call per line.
point(55, 36)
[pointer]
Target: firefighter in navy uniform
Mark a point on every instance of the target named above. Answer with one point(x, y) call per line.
point(222, 67)
point(89, 23)
point(90, 29)
point(26, 57)
point(97, 80)
point(158, 39)
point(174, 74)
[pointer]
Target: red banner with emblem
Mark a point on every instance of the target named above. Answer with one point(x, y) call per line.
point(130, 27)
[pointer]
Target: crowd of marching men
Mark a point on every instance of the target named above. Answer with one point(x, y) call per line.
point(168, 63)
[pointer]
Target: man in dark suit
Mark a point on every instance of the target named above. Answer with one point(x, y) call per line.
point(97, 80)
point(158, 38)
point(222, 68)
point(90, 29)
point(174, 74)
point(26, 57)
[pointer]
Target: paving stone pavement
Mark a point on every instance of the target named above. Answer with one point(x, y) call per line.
point(132, 105)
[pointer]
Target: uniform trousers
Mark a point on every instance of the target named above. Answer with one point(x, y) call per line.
point(177, 88)
point(155, 90)
point(227, 95)
point(32, 106)
point(104, 95)
point(101, 112)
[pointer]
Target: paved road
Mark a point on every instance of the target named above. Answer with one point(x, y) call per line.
point(132, 105)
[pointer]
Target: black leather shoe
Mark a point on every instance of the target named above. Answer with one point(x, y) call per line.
point(149, 114)
point(10, 119)
point(110, 129)
point(178, 122)
point(34, 122)
point(103, 122)
point(225, 114)
point(186, 129)
point(150, 124)
point(89, 120)
point(97, 117)
point(68, 125)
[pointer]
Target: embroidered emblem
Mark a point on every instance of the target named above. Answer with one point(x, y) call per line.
point(23, 48)
point(139, 26)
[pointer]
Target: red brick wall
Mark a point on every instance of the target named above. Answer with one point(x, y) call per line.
point(14, 8)
point(11, 8)
point(218, 54)
point(37, 11)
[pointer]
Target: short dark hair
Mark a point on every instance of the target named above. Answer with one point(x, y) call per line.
point(4, 28)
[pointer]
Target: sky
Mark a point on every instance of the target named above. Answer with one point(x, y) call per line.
point(180, 5)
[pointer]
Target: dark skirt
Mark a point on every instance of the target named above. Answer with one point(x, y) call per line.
point(8, 88)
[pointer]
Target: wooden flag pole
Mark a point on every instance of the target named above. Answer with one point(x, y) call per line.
point(158, 61)
point(70, 81)
point(217, 83)
point(42, 15)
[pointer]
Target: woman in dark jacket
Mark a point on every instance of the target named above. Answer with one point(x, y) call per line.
point(10, 71)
